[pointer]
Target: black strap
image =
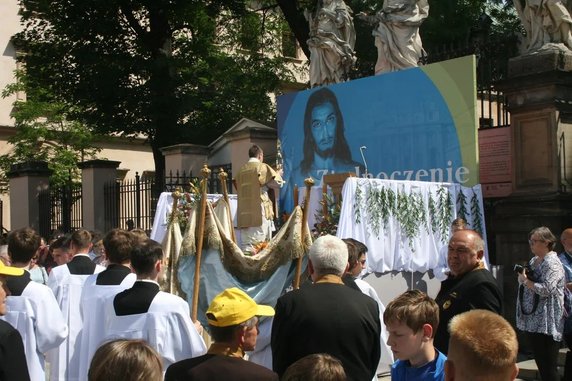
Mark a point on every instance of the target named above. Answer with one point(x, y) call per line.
point(535, 301)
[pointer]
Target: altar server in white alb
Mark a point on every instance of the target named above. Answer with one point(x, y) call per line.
point(99, 288)
point(66, 281)
point(32, 307)
point(144, 312)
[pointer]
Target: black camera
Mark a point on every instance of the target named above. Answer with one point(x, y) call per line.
point(527, 270)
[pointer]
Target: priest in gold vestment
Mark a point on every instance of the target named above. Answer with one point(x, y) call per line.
point(255, 209)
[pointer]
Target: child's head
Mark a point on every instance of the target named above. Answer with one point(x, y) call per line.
point(411, 320)
point(128, 360)
point(316, 367)
point(483, 346)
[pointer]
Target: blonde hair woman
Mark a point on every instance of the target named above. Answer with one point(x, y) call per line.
point(126, 360)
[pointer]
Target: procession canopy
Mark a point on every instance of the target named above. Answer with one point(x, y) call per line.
point(284, 247)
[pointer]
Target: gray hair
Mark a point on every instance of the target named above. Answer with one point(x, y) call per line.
point(329, 255)
point(545, 235)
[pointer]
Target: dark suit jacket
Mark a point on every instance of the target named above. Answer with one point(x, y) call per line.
point(217, 367)
point(327, 318)
point(476, 289)
point(13, 365)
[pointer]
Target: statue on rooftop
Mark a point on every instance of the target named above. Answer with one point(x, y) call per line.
point(331, 43)
point(396, 33)
point(547, 23)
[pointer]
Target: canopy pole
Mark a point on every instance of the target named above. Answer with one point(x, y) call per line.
point(309, 183)
point(201, 231)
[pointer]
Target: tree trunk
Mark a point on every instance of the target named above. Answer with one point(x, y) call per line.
point(298, 24)
point(164, 107)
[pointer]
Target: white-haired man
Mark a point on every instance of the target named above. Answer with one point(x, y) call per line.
point(327, 317)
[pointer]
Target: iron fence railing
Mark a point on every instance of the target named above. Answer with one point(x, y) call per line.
point(60, 209)
point(128, 204)
point(132, 203)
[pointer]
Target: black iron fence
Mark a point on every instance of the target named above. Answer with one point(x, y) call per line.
point(133, 203)
point(129, 204)
point(60, 209)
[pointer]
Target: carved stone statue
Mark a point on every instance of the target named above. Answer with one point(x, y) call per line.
point(331, 43)
point(397, 33)
point(547, 22)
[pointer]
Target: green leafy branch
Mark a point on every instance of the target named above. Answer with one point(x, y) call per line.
point(477, 214)
point(462, 205)
point(374, 209)
point(357, 203)
point(411, 215)
point(444, 212)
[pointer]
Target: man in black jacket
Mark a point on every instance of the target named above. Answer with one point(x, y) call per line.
point(328, 317)
point(13, 365)
point(469, 285)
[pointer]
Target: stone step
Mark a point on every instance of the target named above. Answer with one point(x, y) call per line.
point(528, 371)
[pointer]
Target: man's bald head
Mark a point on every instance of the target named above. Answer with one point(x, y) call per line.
point(466, 249)
point(566, 240)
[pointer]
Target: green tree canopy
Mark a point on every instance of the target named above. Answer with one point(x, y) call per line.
point(175, 70)
point(43, 133)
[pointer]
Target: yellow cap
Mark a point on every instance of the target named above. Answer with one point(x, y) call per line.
point(8, 270)
point(233, 306)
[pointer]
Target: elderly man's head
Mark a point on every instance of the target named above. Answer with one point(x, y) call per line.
point(482, 347)
point(328, 255)
point(233, 318)
point(466, 249)
point(566, 240)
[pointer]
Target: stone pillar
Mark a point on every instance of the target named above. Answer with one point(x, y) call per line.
point(95, 174)
point(26, 181)
point(185, 158)
point(539, 92)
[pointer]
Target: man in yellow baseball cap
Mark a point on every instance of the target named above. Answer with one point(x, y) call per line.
point(233, 324)
point(13, 364)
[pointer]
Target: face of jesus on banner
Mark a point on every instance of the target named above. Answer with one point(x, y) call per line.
point(324, 124)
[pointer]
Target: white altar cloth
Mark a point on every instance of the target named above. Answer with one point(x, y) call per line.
point(390, 248)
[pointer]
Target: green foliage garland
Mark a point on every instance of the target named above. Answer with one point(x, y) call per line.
point(433, 213)
point(357, 203)
point(477, 214)
point(462, 205)
point(378, 204)
point(444, 212)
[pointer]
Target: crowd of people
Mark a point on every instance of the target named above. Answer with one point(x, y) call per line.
point(99, 314)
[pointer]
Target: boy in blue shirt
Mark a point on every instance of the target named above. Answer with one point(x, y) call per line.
point(411, 320)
